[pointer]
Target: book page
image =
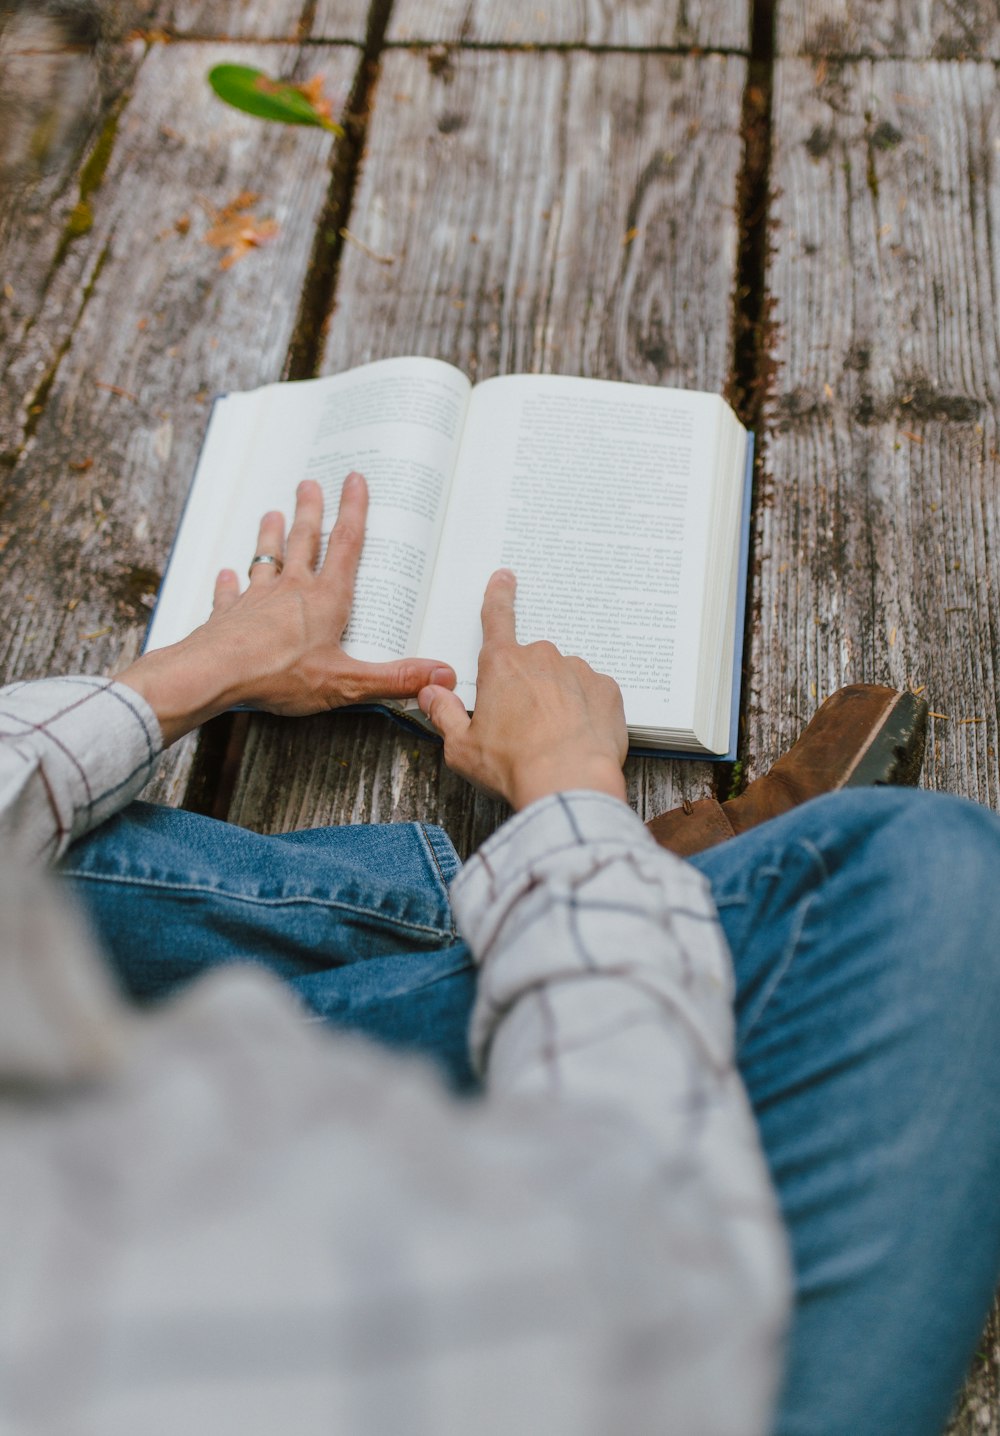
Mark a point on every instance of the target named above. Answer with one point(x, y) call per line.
point(398, 422)
point(597, 495)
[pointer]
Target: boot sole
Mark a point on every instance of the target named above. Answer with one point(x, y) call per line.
point(895, 755)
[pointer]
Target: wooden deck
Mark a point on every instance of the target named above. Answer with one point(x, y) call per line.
point(796, 203)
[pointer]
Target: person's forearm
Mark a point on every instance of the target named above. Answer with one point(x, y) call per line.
point(606, 986)
point(574, 889)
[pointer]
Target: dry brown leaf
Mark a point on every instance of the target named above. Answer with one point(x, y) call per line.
point(313, 91)
point(237, 230)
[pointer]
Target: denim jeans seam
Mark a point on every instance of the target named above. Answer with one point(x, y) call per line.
point(741, 898)
point(289, 901)
point(782, 969)
point(422, 828)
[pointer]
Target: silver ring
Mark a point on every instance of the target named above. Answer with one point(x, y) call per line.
point(265, 558)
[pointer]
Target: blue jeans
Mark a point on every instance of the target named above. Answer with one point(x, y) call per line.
point(865, 932)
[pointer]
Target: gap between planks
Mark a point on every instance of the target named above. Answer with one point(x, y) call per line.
point(747, 368)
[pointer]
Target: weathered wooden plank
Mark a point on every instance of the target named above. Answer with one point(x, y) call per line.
point(558, 211)
point(344, 20)
point(705, 24)
point(353, 768)
point(57, 102)
point(230, 19)
point(335, 20)
point(877, 538)
point(878, 565)
point(910, 29)
point(93, 502)
point(548, 212)
point(977, 1412)
point(886, 242)
point(879, 533)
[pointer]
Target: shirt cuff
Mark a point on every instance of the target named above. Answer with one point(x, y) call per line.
point(576, 886)
point(94, 744)
point(544, 829)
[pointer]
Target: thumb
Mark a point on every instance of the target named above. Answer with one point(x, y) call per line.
point(401, 679)
point(445, 710)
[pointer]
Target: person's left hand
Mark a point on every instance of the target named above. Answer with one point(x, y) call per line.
point(277, 646)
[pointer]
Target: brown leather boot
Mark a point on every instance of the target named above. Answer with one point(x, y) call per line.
point(862, 736)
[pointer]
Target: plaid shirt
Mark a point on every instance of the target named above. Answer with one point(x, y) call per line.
point(218, 1218)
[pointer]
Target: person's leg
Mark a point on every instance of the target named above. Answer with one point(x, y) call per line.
point(355, 920)
point(865, 931)
point(865, 936)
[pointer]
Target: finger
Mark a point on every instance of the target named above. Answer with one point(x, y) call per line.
point(227, 590)
point(302, 549)
point(498, 608)
point(270, 540)
point(367, 682)
point(347, 539)
point(445, 710)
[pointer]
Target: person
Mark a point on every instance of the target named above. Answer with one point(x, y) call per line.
point(733, 1164)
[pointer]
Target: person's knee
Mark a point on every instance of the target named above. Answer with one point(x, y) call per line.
point(929, 859)
point(912, 831)
point(930, 866)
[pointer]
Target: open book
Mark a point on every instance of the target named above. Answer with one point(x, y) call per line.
point(622, 509)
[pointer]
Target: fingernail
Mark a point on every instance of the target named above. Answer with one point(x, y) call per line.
point(506, 573)
point(444, 676)
point(353, 480)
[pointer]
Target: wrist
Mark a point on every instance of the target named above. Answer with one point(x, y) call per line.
point(596, 773)
point(185, 684)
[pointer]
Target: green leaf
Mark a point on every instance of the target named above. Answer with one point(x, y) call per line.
point(251, 90)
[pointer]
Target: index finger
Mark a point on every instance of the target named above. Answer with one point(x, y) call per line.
point(498, 608)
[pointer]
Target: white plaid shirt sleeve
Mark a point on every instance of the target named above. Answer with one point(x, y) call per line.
point(217, 1216)
point(606, 987)
point(72, 752)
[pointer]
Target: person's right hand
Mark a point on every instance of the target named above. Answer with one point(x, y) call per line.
point(543, 723)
